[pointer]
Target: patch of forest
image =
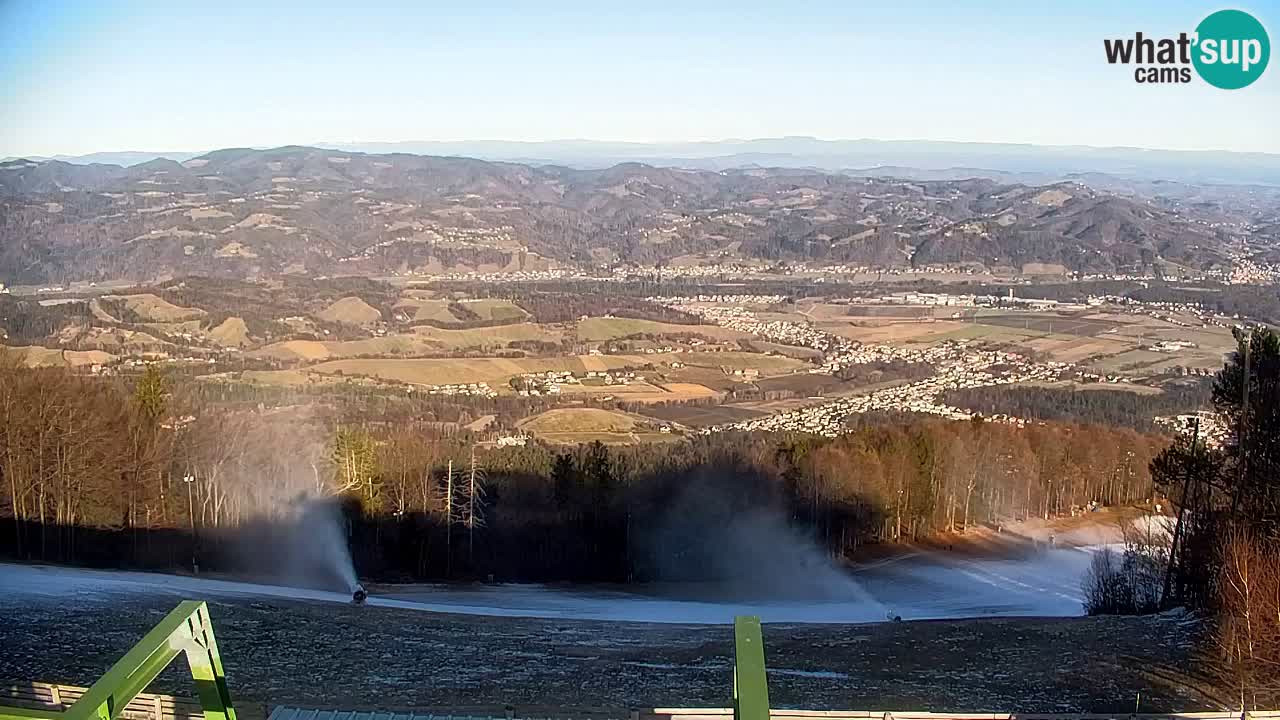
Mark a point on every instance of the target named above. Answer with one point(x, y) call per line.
point(1113, 408)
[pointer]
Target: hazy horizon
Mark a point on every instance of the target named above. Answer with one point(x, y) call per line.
point(357, 143)
point(82, 77)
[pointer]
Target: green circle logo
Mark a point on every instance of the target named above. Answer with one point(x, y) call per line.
point(1232, 49)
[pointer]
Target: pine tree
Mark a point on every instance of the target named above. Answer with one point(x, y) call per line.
point(355, 467)
point(151, 395)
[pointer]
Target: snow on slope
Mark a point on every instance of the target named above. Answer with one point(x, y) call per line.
point(919, 586)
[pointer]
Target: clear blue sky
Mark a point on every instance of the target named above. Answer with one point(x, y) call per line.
point(78, 77)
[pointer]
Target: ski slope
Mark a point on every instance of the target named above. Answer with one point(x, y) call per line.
point(924, 585)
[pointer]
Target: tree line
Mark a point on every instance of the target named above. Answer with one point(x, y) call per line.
point(1097, 405)
point(1225, 559)
point(157, 476)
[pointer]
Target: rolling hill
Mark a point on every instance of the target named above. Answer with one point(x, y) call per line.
point(243, 213)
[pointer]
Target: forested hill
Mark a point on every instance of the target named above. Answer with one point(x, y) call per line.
point(241, 212)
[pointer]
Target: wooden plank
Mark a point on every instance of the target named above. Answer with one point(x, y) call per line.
point(50, 697)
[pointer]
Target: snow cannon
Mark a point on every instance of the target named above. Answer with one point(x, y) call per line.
point(359, 595)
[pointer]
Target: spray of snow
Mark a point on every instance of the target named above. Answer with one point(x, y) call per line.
point(297, 532)
point(715, 541)
point(324, 543)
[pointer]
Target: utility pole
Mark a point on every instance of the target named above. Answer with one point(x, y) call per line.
point(190, 480)
point(1182, 509)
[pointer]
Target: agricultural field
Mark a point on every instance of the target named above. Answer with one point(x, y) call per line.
point(314, 350)
point(801, 383)
point(118, 341)
point(292, 378)
point(698, 416)
point(495, 371)
point(492, 310)
point(350, 311)
point(895, 311)
point(423, 340)
point(427, 310)
point(332, 335)
point(1050, 324)
point(711, 377)
point(568, 426)
point(584, 419)
point(151, 308)
point(608, 438)
point(489, 337)
point(908, 331)
point(36, 356)
point(643, 392)
point(768, 365)
point(1075, 350)
point(231, 332)
point(612, 328)
point(1148, 362)
point(791, 351)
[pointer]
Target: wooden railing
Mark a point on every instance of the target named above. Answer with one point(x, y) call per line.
point(146, 706)
point(542, 712)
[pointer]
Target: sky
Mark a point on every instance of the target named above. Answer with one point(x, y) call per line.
point(103, 75)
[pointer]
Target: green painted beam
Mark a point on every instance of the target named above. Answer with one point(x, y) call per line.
point(132, 673)
point(750, 685)
point(186, 630)
point(206, 668)
point(17, 713)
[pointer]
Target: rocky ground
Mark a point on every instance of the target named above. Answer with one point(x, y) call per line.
point(324, 654)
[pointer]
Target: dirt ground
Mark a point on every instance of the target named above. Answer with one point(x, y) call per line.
point(318, 655)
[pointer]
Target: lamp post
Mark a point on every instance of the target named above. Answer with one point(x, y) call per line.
point(190, 479)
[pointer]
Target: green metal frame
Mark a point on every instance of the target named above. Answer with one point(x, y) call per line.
point(186, 630)
point(750, 685)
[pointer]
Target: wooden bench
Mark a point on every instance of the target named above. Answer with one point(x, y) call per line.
point(146, 706)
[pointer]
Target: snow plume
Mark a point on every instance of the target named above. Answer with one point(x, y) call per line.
point(295, 529)
point(723, 535)
point(305, 545)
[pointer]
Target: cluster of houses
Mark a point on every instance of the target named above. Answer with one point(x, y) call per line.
point(1093, 377)
point(551, 381)
point(513, 276)
point(920, 298)
point(543, 383)
point(729, 302)
point(961, 370)
point(1171, 345)
point(1213, 431)
point(1250, 272)
point(736, 317)
point(1119, 277)
point(838, 352)
point(612, 377)
point(1165, 311)
point(957, 365)
point(476, 389)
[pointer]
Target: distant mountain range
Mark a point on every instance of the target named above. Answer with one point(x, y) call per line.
point(1047, 163)
point(246, 212)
